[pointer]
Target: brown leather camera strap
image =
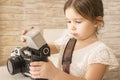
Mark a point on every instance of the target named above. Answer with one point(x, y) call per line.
point(67, 55)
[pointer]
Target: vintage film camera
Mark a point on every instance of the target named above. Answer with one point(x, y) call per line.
point(36, 50)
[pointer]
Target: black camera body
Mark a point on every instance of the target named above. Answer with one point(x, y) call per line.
point(36, 50)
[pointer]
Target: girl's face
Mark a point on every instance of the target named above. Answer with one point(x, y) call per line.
point(78, 26)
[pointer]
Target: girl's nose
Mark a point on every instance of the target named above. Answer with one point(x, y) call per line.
point(72, 27)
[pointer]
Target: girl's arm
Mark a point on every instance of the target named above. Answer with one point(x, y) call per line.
point(94, 72)
point(53, 48)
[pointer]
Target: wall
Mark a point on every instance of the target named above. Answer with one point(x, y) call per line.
point(11, 20)
point(16, 15)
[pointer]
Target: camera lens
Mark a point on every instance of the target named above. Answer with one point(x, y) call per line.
point(10, 68)
point(15, 65)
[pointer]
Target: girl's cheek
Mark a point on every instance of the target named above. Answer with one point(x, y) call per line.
point(80, 29)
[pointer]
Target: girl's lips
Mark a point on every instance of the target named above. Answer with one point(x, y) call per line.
point(72, 33)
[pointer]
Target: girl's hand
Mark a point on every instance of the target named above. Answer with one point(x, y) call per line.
point(43, 70)
point(23, 33)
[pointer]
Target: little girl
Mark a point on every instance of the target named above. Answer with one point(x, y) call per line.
point(91, 58)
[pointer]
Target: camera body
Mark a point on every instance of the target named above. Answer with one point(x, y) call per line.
point(36, 50)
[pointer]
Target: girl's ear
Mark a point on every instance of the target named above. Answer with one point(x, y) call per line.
point(98, 21)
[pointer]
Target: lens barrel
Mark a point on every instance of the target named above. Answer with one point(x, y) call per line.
point(15, 65)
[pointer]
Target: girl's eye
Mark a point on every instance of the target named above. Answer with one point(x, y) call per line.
point(68, 21)
point(78, 21)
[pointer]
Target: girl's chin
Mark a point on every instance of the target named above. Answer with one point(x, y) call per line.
point(74, 35)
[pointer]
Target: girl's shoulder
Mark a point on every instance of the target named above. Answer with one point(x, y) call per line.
point(95, 47)
point(99, 46)
point(102, 53)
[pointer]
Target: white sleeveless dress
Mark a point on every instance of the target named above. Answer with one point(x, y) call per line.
point(96, 52)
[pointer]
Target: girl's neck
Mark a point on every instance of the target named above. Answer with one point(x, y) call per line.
point(83, 43)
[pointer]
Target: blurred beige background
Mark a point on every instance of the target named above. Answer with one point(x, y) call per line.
point(17, 15)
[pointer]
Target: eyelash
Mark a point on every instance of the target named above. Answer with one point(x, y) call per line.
point(68, 21)
point(75, 21)
point(78, 21)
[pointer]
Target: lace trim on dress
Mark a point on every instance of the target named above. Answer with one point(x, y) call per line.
point(106, 57)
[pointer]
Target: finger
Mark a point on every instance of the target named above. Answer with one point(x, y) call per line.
point(40, 63)
point(22, 39)
point(34, 72)
point(34, 68)
point(36, 76)
point(24, 32)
